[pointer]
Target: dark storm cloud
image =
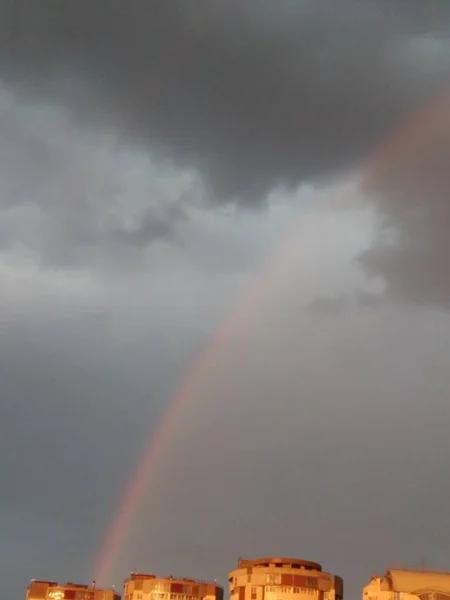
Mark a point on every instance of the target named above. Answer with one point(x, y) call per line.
point(410, 184)
point(253, 93)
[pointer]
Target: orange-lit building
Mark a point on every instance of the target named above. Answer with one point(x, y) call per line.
point(283, 579)
point(408, 584)
point(150, 587)
point(50, 590)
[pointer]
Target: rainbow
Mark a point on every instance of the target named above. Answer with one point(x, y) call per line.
point(200, 370)
point(393, 155)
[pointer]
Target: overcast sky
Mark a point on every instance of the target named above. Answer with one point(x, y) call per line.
point(155, 157)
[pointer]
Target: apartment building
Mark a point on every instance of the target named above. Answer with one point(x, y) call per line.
point(150, 587)
point(405, 584)
point(276, 578)
point(51, 590)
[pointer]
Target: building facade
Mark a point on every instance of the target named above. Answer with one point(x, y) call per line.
point(404, 584)
point(50, 590)
point(149, 587)
point(283, 579)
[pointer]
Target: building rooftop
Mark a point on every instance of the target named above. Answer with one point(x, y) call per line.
point(137, 576)
point(294, 563)
point(417, 582)
point(69, 585)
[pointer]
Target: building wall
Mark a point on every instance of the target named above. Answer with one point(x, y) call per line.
point(377, 590)
point(50, 590)
point(149, 587)
point(283, 579)
point(403, 584)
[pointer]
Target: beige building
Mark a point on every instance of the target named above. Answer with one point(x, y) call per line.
point(50, 590)
point(283, 579)
point(403, 584)
point(150, 587)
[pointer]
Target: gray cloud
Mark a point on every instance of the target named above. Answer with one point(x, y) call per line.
point(338, 305)
point(152, 226)
point(409, 182)
point(69, 194)
point(250, 94)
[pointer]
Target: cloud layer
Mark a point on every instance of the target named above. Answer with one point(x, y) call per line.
point(155, 156)
point(409, 183)
point(251, 94)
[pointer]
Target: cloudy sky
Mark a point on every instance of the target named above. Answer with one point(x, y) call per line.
point(170, 165)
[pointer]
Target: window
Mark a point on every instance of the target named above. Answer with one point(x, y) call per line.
point(296, 590)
